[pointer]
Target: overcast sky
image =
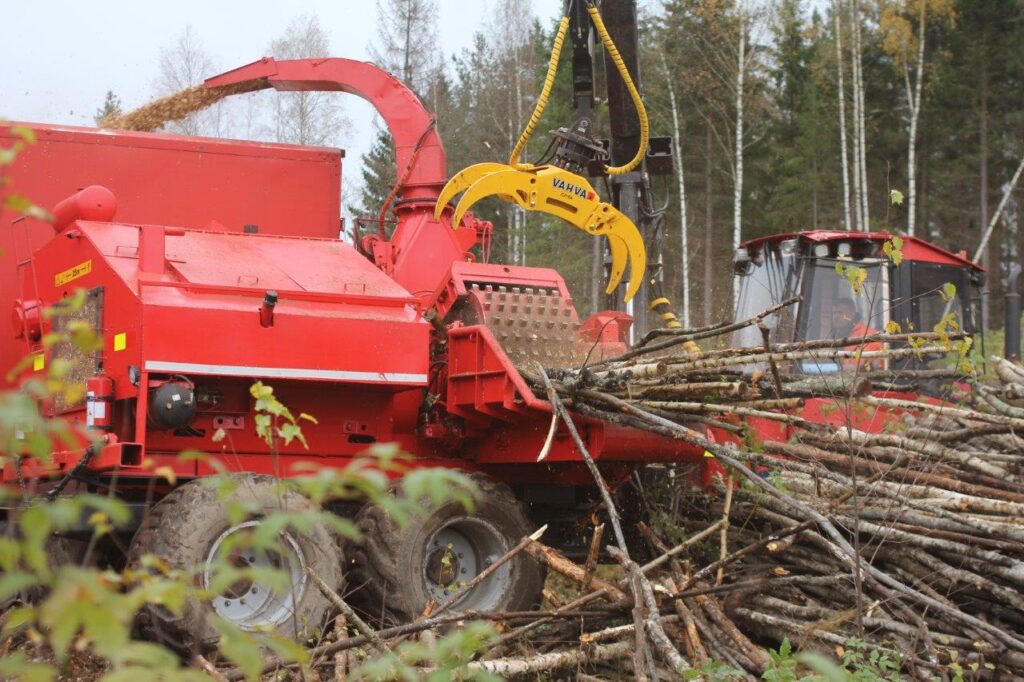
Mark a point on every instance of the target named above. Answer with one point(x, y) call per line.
point(59, 57)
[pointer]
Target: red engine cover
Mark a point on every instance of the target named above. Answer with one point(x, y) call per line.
point(172, 180)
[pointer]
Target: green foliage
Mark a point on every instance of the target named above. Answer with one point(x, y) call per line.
point(18, 203)
point(859, 662)
point(90, 609)
point(713, 671)
point(447, 658)
point(438, 485)
point(965, 671)
point(856, 276)
point(893, 250)
point(783, 664)
point(871, 663)
point(274, 421)
point(948, 292)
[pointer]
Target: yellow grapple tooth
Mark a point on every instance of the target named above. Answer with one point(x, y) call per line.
point(461, 181)
point(509, 184)
point(637, 266)
point(620, 255)
point(625, 244)
point(623, 228)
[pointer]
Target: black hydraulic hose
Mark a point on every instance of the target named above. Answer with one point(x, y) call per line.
point(90, 452)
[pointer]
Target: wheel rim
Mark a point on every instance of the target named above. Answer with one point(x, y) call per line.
point(253, 605)
point(458, 552)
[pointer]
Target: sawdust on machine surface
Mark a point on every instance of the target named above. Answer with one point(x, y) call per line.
point(158, 113)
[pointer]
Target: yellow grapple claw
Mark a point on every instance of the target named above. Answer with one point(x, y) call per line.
point(508, 184)
point(562, 194)
point(620, 255)
point(461, 181)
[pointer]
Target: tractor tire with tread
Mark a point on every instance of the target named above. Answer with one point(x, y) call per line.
point(389, 569)
point(185, 528)
point(60, 551)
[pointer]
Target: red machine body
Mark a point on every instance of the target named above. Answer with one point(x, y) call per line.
point(913, 249)
point(192, 183)
point(197, 315)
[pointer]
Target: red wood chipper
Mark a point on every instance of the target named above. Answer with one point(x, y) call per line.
point(225, 278)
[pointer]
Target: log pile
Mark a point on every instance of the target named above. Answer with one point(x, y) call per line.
point(906, 537)
point(902, 543)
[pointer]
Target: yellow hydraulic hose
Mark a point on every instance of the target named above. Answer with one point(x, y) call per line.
point(663, 307)
point(641, 112)
point(545, 93)
point(549, 81)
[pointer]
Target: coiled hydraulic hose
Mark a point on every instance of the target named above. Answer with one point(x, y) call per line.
point(662, 306)
point(545, 93)
point(549, 81)
point(641, 112)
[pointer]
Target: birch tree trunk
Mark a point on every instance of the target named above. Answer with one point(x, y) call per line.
point(985, 253)
point(858, 202)
point(677, 152)
point(1007, 192)
point(915, 111)
point(511, 75)
point(517, 109)
point(709, 227)
point(842, 120)
point(862, 115)
point(737, 197)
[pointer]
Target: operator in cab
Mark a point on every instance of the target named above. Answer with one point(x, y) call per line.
point(848, 323)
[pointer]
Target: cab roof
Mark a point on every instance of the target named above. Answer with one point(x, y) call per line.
point(914, 248)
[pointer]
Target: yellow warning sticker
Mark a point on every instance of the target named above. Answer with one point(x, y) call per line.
point(80, 270)
point(38, 362)
point(120, 341)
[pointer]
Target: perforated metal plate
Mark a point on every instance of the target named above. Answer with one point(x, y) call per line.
point(531, 324)
point(81, 365)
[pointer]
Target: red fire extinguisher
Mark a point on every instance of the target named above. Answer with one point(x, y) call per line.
point(99, 402)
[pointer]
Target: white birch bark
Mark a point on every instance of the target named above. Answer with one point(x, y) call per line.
point(858, 203)
point(915, 110)
point(1007, 191)
point(737, 198)
point(842, 121)
point(862, 115)
point(677, 152)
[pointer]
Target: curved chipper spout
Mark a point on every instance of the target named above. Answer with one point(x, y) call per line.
point(561, 193)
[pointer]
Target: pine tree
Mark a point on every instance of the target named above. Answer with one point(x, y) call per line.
point(404, 48)
point(971, 133)
point(801, 148)
point(111, 107)
point(377, 177)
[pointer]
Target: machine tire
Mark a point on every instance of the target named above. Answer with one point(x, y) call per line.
point(185, 529)
point(60, 551)
point(389, 569)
